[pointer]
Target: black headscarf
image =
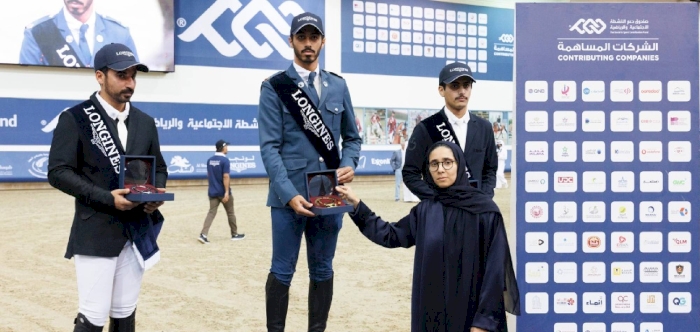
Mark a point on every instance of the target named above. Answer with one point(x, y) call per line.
point(460, 194)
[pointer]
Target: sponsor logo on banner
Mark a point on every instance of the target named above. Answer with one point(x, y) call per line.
point(622, 182)
point(593, 91)
point(593, 151)
point(679, 302)
point(564, 91)
point(622, 151)
point(536, 303)
point(565, 302)
point(537, 272)
point(679, 181)
point(564, 121)
point(10, 122)
point(565, 182)
point(650, 272)
point(593, 212)
point(588, 26)
point(651, 242)
point(651, 327)
point(622, 302)
point(679, 242)
point(593, 302)
point(621, 121)
point(536, 151)
point(49, 126)
point(650, 121)
point(650, 211)
point(5, 170)
point(593, 121)
point(180, 164)
point(361, 162)
point(622, 242)
point(245, 28)
point(565, 272)
point(593, 242)
point(536, 182)
point(594, 181)
point(565, 151)
point(621, 91)
point(622, 211)
point(536, 242)
point(537, 212)
point(679, 272)
point(651, 181)
point(565, 212)
point(380, 162)
point(594, 327)
point(650, 91)
point(565, 242)
point(678, 121)
point(240, 164)
point(650, 151)
point(622, 327)
point(679, 211)
point(536, 121)
point(594, 272)
point(507, 38)
point(622, 272)
point(651, 302)
point(678, 91)
point(679, 151)
point(565, 327)
point(536, 91)
point(38, 165)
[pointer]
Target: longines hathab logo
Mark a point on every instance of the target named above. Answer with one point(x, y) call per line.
point(275, 29)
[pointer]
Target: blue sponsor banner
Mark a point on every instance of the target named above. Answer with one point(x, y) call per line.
point(607, 99)
point(238, 33)
point(33, 166)
point(32, 121)
point(417, 38)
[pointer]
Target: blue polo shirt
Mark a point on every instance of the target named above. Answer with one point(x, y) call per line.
point(217, 166)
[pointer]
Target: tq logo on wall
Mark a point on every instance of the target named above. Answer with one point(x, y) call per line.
point(274, 27)
point(589, 26)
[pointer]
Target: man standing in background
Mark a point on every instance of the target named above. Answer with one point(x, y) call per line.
point(396, 164)
point(218, 168)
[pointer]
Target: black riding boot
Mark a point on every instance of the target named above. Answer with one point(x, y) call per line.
point(276, 302)
point(82, 324)
point(127, 324)
point(320, 298)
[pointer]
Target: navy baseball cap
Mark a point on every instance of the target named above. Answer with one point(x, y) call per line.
point(302, 20)
point(220, 144)
point(454, 71)
point(117, 57)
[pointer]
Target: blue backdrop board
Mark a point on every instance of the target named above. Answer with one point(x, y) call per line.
point(238, 33)
point(418, 37)
point(607, 116)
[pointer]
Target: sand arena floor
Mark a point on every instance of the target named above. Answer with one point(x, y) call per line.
point(195, 287)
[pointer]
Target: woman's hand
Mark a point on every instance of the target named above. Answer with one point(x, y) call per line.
point(347, 194)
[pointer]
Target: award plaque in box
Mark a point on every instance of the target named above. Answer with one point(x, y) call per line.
point(320, 191)
point(138, 174)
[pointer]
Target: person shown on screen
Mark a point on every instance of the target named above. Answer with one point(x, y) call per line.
point(463, 277)
point(112, 240)
point(71, 37)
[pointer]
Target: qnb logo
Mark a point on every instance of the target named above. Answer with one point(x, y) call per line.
point(506, 38)
point(274, 32)
point(589, 26)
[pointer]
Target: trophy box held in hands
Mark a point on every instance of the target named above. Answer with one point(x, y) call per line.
point(138, 174)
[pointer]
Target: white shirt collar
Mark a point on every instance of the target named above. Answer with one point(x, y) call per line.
point(74, 25)
point(111, 111)
point(304, 74)
point(220, 154)
point(454, 119)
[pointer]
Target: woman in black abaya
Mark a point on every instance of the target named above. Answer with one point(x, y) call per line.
point(463, 279)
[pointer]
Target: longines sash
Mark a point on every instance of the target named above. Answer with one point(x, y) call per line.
point(308, 117)
point(440, 129)
point(102, 147)
point(54, 47)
